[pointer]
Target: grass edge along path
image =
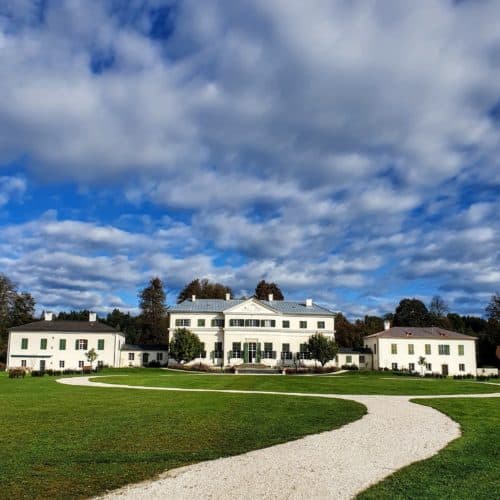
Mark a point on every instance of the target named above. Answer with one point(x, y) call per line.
point(467, 468)
point(62, 441)
point(363, 383)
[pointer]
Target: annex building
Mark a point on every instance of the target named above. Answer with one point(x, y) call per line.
point(236, 331)
point(442, 351)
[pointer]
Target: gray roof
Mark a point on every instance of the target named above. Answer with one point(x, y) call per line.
point(65, 326)
point(144, 347)
point(220, 305)
point(431, 332)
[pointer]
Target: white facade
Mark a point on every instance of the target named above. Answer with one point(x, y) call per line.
point(447, 353)
point(135, 356)
point(61, 345)
point(252, 331)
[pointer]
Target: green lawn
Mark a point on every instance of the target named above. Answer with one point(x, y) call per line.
point(60, 441)
point(349, 383)
point(467, 468)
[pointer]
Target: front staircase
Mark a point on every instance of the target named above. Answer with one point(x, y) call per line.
point(256, 368)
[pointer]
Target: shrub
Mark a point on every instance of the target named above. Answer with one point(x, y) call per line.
point(37, 373)
point(325, 369)
point(153, 364)
point(482, 378)
point(350, 367)
point(2, 367)
point(17, 373)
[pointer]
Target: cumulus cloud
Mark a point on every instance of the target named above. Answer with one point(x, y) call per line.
point(322, 145)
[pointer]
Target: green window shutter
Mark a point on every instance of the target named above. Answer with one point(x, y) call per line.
point(77, 344)
point(245, 352)
point(100, 345)
point(257, 357)
point(24, 343)
point(43, 344)
point(62, 344)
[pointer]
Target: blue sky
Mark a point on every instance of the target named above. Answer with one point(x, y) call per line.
point(348, 151)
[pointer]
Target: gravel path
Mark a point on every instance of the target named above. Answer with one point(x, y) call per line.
point(336, 464)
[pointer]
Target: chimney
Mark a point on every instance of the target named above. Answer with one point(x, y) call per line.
point(387, 324)
point(92, 317)
point(47, 316)
point(228, 296)
point(193, 298)
point(309, 302)
point(270, 297)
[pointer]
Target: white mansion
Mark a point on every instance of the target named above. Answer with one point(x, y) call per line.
point(252, 331)
point(236, 331)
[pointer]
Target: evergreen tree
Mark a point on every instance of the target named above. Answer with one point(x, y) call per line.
point(153, 313)
point(203, 289)
point(412, 312)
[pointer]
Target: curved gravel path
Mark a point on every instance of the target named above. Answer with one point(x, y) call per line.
point(335, 464)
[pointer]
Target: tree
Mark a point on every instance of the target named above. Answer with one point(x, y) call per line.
point(81, 315)
point(203, 289)
point(15, 309)
point(438, 307)
point(185, 345)
point(322, 348)
point(347, 334)
point(124, 322)
point(412, 312)
point(493, 308)
point(153, 312)
point(91, 356)
point(263, 289)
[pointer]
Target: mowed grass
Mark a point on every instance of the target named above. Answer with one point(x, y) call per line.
point(348, 383)
point(468, 468)
point(59, 441)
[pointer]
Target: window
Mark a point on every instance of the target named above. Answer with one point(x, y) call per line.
point(461, 350)
point(268, 346)
point(100, 364)
point(81, 344)
point(23, 363)
point(427, 348)
point(286, 323)
point(80, 364)
point(219, 323)
point(394, 366)
point(218, 350)
point(24, 343)
point(411, 367)
point(159, 356)
point(252, 322)
point(62, 344)
point(268, 323)
point(321, 325)
point(285, 351)
point(411, 349)
point(182, 322)
point(361, 359)
point(201, 322)
point(461, 367)
point(428, 367)
point(303, 324)
point(304, 353)
point(100, 344)
point(237, 322)
point(131, 356)
point(348, 359)
point(394, 348)
point(43, 344)
point(203, 353)
point(236, 346)
point(374, 348)
point(444, 349)
point(61, 364)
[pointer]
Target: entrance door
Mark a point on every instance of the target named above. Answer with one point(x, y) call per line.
point(42, 365)
point(444, 370)
point(145, 358)
point(252, 352)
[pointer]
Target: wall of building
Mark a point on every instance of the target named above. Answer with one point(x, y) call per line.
point(138, 357)
point(53, 355)
point(384, 357)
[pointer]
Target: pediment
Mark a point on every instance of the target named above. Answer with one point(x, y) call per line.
point(250, 306)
